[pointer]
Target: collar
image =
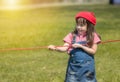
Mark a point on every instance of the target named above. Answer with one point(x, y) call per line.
point(83, 34)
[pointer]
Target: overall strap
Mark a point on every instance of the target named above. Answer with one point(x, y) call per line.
point(73, 38)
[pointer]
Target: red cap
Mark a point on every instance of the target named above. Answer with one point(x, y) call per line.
point(87, 15)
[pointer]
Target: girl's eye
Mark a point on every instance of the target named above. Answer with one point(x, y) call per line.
point(81, 25)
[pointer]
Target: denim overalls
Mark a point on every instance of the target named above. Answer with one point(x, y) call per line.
point(80, 66)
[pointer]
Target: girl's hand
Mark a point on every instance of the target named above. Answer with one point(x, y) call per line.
point(51, 47)
point(76, 45)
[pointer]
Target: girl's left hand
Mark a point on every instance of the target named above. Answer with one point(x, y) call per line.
point(76, 45)
point(51, 47)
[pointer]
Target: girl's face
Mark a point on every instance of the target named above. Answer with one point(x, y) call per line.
point(81, 29)
point(81, 25)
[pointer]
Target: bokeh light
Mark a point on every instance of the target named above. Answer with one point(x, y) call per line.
point(10, 4)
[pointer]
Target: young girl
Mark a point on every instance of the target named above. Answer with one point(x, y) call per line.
point(81, 45)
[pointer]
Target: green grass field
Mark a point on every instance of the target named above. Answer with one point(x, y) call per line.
point(44, 26)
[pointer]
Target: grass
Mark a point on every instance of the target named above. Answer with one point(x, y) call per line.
point(44, 26)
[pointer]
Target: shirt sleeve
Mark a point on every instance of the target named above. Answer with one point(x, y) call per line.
point(68, 38)
point(97, 39)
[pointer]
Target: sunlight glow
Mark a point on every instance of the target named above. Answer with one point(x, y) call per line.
point(21, 4)
point(10, 4)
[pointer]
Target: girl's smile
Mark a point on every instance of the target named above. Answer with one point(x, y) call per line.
point(81, 29)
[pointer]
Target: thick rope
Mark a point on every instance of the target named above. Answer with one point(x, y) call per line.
point(109, 41)
point(43, 47)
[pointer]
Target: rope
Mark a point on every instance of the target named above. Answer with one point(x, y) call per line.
point(109, 41)
point(32, 48)
point(43, 47)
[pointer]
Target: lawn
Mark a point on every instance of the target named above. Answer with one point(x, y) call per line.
point(44, 26)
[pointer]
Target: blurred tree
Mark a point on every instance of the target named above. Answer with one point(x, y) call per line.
point(116, 2)
point(111, 2)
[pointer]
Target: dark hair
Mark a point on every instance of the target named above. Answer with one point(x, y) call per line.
point(90, 30)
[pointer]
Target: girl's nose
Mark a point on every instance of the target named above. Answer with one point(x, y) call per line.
point(79, 27)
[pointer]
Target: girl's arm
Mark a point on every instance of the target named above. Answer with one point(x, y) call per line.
point(91, 50)
point(61, 49)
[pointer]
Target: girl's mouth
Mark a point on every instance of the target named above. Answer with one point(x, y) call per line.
point(81, 31)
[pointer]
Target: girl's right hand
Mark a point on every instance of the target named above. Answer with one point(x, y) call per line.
point(51, 47)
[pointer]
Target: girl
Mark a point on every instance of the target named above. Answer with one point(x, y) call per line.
point(81, 45)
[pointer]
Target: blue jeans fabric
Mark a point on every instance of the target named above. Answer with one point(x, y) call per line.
point(80, 67)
